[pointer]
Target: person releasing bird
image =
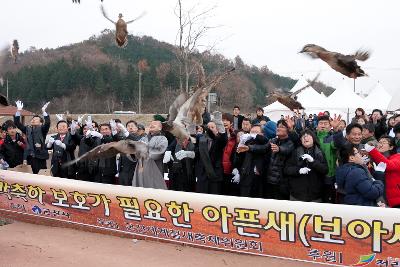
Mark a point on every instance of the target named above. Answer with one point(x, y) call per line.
point(345, 64)
point(121, 29)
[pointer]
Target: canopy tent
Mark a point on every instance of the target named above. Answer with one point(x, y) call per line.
point(299, 84)
point(311, 99)
point(345, 98)
point(275, 110)
point(378, 98)
point(395, 102)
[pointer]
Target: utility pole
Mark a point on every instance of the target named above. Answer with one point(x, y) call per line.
point(140, 92)
point(7, 89)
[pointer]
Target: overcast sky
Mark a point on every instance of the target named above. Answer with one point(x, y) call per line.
point(262, 32)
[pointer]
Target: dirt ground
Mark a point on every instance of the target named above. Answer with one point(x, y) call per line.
point(23, 244)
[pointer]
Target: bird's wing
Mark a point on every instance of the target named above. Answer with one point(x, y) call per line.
point(176, 105)
point(310, 83)
point(362, 55)
point(138, 17)
point(112, 149)
point(103, 11)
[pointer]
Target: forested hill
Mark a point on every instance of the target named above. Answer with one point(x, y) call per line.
point(95, 76)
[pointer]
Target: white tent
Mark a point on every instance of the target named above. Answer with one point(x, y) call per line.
point(395, 102)
point(378, 98)
point(310, 99)
point(345, 98)
point(299, 84)
point(275, 110)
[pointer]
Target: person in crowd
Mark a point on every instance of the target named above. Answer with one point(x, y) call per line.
point(379, 121)
point(141, 131)
point(386, 152)
point(396, 122)
point(127, 165)
point(87, 139)
point(180, 162)
point(229, 188)
point(327, 145)
point(251, 162)
point(63, 146)
point(299, 122)
point(107, 167)
point(149, 172)
point(246, 125)
point(281, 147)
point(307, 169)
point(359, 114)
point(353, 136)
point(353, 178)
point(390, 124)
point(200, 129)
point(237, 118)
point(368, 135)
point(209, 152)
point(12, 149)
point(309, 123)
point(342, 126)
point(362, 121)
point(269, 130)
point(396, 132)
point(206, 117)
point(259, 116)
point(36, 133)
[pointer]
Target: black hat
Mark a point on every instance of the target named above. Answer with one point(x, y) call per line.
point(140, 127)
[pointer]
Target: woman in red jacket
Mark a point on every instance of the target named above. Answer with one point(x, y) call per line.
point(386, 152)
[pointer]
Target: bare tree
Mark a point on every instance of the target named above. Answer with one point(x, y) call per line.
point(192, 28)
point(143, 66)
point(162, 71)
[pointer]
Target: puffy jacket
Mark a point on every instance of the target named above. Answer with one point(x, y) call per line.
point(392, 175)
point(227, 157)
point(277, 161)
point(359, 188)
point(11, 151)
point(306, 187)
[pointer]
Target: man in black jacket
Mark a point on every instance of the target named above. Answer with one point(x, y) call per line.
point(237, 118)
point(209, 150)
point(63, 146)
point(251, 160)
point(12, 150)
point(36, 133)
point(107, 167)
point(277, 185)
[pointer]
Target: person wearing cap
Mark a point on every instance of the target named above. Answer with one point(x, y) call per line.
point(368, 135)
point(260, 116)
point(12, 150)
point(141, 130)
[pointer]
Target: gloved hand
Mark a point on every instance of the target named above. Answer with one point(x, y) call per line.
point(184, 154)
point(123, 129)
point(20, 105)
point(368, 147)
point(304, 170)
point(381, 167)
point(167, 157)
point(236, 178)
point(307, 157)
point(89, 122)
point(113, 125)
point(218, 121)
point(60, 117)
point(244, 138)
point(73, 127)
point(59, 143)
point(50, 142)
point(235, 171)
point(80, 118)
point(96, 134)
point(44, 108)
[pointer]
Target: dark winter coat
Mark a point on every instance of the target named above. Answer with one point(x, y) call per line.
point(359, 188)
point(306, 187)
point(12, 152)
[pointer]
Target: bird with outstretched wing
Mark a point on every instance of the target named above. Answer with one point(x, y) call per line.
point(186, 112)
point(127, 147)
point(121, 29)
point(345, 64)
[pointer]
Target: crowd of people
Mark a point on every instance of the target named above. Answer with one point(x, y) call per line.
point(315, 158)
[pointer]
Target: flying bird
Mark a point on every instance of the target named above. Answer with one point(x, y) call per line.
point(186, 112)
point(290, 100)
point(121, 29)
point(345, 64)
point(127, 147)
point(14, 51)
